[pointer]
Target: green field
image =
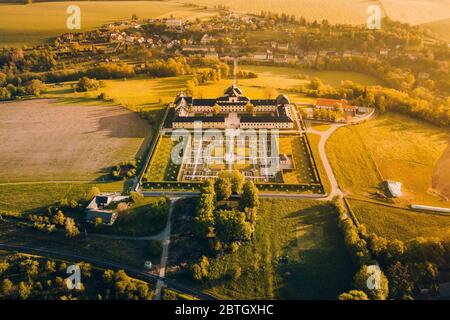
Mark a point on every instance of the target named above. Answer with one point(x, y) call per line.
point(269, 75)
point(402, 224)
point(145, 218)
point(303, 173)
point(161, 168)
point(33, 24)
point(18, 198)
point(156, 93)
point(302, 231)
point(314, 140)
point(391, 146)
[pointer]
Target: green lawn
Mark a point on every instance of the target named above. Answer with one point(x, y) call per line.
point(314, 140)
point(161, 167)
point(396, 223)
point(391, 146)
point(33, 24)
point(145, 218)
point(305, 232)
point(21, 198)
point(303, 172)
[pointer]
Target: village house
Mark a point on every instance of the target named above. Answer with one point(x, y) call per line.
point(99, 208)
point(334, 104)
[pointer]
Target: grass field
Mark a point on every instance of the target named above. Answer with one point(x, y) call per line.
point(338, 11)
point(161, 167)
point(305, 233)
point(156, 93)
point(440, 28)
point(396, 223)
point(33, 24)
point(314, 140)
point(290, 76)
point(303, 172)
point(416, 11)
point(391, 146)
point(31, 197)
point(144, 218)
point(43, 141)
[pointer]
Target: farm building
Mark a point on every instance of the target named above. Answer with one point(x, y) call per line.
point(100, 207)
point(395, 188)
point(334, 104)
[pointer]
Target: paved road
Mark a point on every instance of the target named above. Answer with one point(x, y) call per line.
point(103, 263)
point(165, 251)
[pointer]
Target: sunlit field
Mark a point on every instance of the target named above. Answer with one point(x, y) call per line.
point(33, 24)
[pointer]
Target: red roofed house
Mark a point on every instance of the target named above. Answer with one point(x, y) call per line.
point(333, 104)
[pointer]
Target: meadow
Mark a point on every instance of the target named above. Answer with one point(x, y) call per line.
point(389, 147)
point(298, 253)
point(36, 23)
point(397, 223)
point(161, 167)
point(296, 147)
point(440, 28)
point(142, 92)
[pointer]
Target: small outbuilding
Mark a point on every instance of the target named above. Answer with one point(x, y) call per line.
point(395, 188)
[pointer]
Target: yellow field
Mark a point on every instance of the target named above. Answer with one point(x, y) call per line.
point(391, 147)
point(416, 11)
point(33, 24)
point(336, 11)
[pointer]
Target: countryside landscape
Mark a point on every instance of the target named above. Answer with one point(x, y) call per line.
point(225, 150)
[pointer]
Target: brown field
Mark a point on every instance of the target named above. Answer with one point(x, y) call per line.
point(44, 141)
point(441, 174)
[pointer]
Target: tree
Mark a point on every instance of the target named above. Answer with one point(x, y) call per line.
point(108, 276)
point(236, 273)
point(50, 266)
point(87, 84)
point(98, 222)
point(24, 290)
point(353, 295)
point(250, 195)
point(4, 265)
point(237, 181)
point(216, 109)
point(223, 186)
point(200, 270)
point(71, 228)
point(400, 282)
point(231, 226)
point(95, 191)
point(35, 87)
point(136, 196)
point(7, 288)
point(205, 210)
point(249, 107)
point(59, 218)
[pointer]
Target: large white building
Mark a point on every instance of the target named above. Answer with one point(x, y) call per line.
point(212, 113)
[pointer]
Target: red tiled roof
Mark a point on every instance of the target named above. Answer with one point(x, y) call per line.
point(332, 102)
